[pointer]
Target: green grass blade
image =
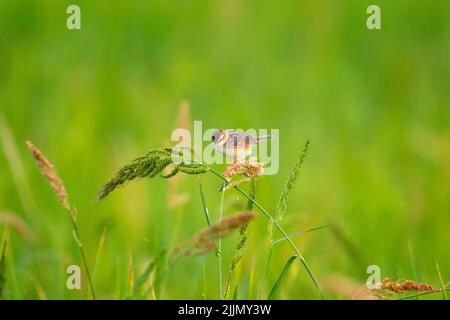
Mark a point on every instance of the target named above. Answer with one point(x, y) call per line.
point(204, 281)
point(236, 293)
point(444, 292)
point(205, 207)
point(241, 245)
point(411, 259)
point(99, 250)
point(414, 295)
point(299, 234)
point(11, 152)
point(266, 268)
point(219, 249)
point(141, 280)
point(291, 243)
point(282, 275)
point(2, 267)
point(280, 229)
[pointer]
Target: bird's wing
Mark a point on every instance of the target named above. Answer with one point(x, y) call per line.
point(239, 139)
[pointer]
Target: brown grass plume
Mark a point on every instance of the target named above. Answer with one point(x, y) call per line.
point(48, 170)
point(204, 240)
point(389, 288)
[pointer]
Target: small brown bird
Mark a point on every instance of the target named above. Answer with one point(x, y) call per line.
point(235, 144)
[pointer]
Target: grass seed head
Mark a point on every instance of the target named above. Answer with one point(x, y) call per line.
point(203, 240)
point(50, 174)
point(248, 168)
point(150, 165)
point(402, 286)
point(18, 225)
point(290, 183)
point(389, 288)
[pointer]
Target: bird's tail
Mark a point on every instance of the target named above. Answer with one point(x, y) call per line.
point(264, 137)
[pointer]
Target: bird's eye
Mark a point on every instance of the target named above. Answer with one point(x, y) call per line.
point(213, 138)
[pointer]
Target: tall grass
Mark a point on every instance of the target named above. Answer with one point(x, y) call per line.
point(241, 244)
point(281, 277)
point(381, 146)
point(155, 161)
point(16, 167)
point(273, 244)
point(219, 249)
point(281, 209)
point(290, 184)
point(282, 231)
point(47, 169)
point(204, 241)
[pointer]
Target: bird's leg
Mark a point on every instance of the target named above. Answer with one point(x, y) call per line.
point(232, 168)
point(237, 161)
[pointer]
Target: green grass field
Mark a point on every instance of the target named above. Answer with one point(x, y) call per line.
point(374, 104)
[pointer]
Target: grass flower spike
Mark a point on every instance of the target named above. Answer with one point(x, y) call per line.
point(151, 165)
point(50, 174)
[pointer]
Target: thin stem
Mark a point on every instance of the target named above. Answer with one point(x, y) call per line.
point(169, 267)
point(241, 242)
point(280, 229)
point(299, 234)
point(83, 255)
point(99, 249)
point(442, 281)
point(302, 259)
point(266, 268)
point(227, 284)
point(219, 245)
point(422, 294)
point(204, 281)
point(274, 243)
point(205, 207)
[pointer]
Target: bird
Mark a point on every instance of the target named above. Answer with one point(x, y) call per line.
point(235, 144)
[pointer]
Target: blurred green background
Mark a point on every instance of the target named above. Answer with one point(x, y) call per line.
point(375, 105)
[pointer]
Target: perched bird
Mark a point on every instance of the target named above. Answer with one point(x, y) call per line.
point(235, 144)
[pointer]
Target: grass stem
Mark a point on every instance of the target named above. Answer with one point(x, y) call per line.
point(274, 243)
point(219, 245)
point(444, 293)
point(83, 255)
point(414, 295)
point(279, 228)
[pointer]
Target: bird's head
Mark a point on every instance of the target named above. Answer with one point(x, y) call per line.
point(219, 137)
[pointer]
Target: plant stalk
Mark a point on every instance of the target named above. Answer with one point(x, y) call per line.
point(219, 245)
point(267, 214)
point(83, 255)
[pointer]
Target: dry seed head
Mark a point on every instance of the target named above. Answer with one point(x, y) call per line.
point(183, 118)
point(235, 183)
point(407, 285)
point(15, 223)
point(341, 285)
point(389, 287)
point(50, 174)
point(203, 241)
point(368, 294)
point(248, 168)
